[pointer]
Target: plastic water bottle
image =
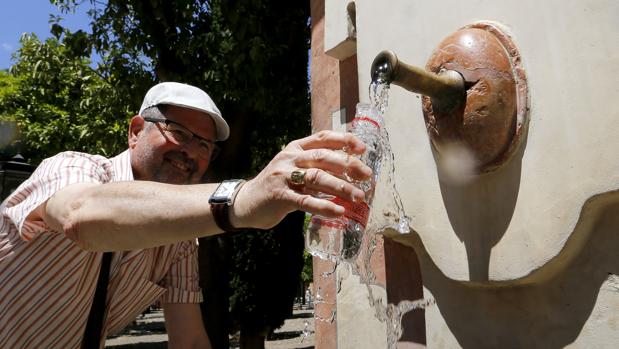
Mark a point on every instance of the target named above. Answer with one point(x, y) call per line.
point(340, 238)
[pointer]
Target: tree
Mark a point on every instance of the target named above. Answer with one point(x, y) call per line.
point(8, 129)
point(59, 103)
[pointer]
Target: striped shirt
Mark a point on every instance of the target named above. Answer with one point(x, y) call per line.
point(47, 282)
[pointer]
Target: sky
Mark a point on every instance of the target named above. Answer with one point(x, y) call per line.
point(32, 16)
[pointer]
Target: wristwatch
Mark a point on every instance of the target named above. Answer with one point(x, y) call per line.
point(222, 199)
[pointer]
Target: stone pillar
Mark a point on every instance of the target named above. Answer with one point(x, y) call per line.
point(334, 93)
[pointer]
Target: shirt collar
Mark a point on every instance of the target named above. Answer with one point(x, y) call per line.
point(122, 167)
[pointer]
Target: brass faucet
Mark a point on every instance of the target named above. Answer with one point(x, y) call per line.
point(446, 89)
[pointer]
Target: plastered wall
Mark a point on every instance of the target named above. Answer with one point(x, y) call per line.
point(525, 256)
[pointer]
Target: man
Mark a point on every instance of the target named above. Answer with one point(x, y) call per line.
point(148, 206)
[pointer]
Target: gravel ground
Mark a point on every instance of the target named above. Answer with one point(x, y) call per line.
point(149, 333)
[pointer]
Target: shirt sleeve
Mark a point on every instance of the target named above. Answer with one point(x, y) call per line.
point(52, 175)
point(182, 280)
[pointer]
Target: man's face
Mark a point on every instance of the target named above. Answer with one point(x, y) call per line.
point(155, 158)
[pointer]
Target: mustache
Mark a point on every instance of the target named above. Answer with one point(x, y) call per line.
point(181, 157)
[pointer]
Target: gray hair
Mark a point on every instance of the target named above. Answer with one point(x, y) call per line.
point(155, 111)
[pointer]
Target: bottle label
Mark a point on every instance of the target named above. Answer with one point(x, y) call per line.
point(335, 224)
point(357, 211)
point(365, 118)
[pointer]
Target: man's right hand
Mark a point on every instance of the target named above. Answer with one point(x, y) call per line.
point(265, 200)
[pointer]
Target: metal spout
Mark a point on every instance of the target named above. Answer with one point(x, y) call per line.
point(446, 89)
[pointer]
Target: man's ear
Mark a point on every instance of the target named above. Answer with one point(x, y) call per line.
point(136, 126)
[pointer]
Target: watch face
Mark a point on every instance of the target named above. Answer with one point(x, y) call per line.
point(226, 189)
point(223, 193)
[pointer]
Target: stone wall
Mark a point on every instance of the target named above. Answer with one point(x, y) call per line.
point(524, 256)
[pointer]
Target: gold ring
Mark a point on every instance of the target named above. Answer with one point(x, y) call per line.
point(297, 177)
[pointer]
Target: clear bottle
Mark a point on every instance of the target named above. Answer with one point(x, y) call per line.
point(340, 238)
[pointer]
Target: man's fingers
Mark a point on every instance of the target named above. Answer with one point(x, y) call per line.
point(319, 181)
point(331, 140)
point(318, 165)
point(336, 162)
point(318, 206)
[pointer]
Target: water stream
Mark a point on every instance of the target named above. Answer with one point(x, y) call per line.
point(387, 213)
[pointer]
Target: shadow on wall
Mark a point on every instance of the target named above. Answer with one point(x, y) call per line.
point(480, 210)
point(545, 309)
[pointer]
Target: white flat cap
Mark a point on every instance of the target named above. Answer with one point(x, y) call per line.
point(187, 96)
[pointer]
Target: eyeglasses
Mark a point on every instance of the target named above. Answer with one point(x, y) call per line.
point(180, 135)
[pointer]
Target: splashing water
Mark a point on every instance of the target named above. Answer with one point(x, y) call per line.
point(379, 96)
point(306, 331)
point(391, 216)
point(318, 298)
point(395, 313)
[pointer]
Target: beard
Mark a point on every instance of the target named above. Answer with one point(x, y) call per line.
point(173, 167)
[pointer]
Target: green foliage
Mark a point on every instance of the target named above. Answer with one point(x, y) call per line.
point(60, 103)
point(8, 85)
point(9, 142)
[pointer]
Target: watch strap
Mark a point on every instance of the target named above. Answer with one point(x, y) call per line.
point(221, 210)
point(221, 215)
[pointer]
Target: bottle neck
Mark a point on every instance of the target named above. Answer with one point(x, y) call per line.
point(366, 119)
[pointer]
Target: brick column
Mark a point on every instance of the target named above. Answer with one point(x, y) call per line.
point(334, 86)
